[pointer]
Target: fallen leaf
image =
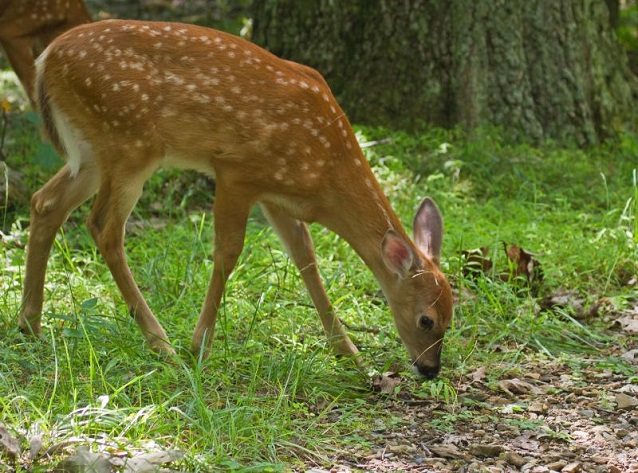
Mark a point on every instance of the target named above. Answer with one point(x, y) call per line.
point(629, 389)
point(574, 467)
point(9, 445)
point(631, 356)
point(478, 375)
point(35, 445)
point(386, 382)
point(476, 261)
point(569, 299)
point(627, 323)
point(524, 264)
point(525, 442)
point(149, 462)
point(514, 458)
point(84, 461)
point(516, 386)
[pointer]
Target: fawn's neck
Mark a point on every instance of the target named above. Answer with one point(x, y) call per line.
point(364, 222)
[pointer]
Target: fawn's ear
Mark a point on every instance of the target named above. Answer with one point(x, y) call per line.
point(428, 230)
point(397, 254)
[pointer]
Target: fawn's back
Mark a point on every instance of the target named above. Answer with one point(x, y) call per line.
point(202, 99)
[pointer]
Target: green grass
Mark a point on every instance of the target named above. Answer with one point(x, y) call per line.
point(271, 396)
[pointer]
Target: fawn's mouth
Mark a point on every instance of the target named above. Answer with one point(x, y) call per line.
point(427, 372)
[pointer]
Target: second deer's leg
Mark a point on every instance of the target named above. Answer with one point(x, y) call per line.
point(50, 207)
point(114, 202)
point(20, 56)
point(298, 242)
point(231, 210)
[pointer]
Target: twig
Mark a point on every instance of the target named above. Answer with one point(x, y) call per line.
point(370, 144)
point(4, 133)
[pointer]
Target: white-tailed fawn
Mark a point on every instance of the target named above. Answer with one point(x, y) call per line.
point(121, 99)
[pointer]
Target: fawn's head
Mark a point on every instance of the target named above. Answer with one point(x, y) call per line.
point(420, 297)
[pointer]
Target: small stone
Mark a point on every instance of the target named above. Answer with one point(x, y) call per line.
point(538, 407)
point(601, 460)
point(446, 451)
point(622, 433)
point(481, 450)
point(557, 465)
point(514, 459)
point(624, 401)
point(614, 469)
point(539, 469)
point(401, 449)
point(573, 467)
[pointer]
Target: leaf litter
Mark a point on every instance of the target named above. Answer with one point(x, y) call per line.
point(553, 416)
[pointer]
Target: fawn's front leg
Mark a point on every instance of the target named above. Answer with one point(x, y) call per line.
point(297, 240)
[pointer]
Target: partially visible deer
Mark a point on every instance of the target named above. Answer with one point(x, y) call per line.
point(28, 26)
point(123, 98)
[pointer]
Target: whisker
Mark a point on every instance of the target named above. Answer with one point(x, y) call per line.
point(428, 349)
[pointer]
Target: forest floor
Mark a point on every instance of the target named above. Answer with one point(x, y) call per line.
point(559, 415)
point(550, 420)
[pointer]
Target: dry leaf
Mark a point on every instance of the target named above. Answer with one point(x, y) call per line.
point(516, 386)
point(628, 323)
point(386, 382)
point(486, 451)
point(563, 298)
point(631, 356)
point(478, 375)
point(149, 462)
point(524, 265)
point(476, 261)
point(9, 445)
point(629, 389)
point(85, 461)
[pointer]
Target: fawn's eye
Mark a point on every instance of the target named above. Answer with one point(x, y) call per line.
point(425, 322)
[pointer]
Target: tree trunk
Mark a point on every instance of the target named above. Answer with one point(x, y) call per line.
point(540, 69)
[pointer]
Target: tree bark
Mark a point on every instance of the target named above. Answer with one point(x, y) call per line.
point(539, 69)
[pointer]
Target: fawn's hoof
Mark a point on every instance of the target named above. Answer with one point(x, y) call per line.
point(29, 328)
point(162, 347)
